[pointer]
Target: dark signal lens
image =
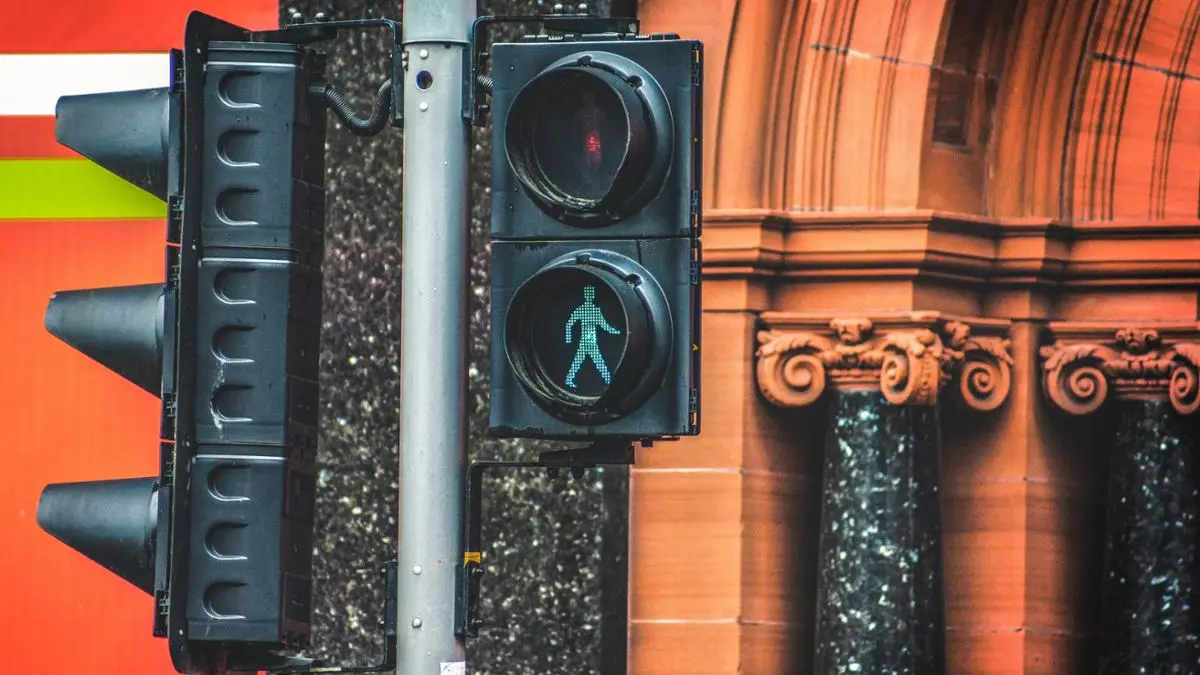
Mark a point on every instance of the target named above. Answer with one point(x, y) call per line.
point(588, 336)
point(579, 138)
point(589, 141)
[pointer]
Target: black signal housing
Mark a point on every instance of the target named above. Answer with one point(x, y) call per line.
point(596, 185)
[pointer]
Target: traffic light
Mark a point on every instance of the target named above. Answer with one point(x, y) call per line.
point(596, 237)
point(222, 537)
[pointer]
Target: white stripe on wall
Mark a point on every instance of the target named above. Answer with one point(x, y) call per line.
point(30, 84)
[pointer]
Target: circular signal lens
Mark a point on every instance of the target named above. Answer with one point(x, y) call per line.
point(580, 138)
point(590, 138)
point(588, 336)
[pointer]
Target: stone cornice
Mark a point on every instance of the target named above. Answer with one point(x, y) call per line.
point(959, 247)
point(1085, 364)
point(908, 356)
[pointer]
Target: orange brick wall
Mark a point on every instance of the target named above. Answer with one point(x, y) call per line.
point(1022, 161)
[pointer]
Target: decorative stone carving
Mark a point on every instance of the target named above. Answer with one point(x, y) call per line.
point(1086, 363)
point(909, 357)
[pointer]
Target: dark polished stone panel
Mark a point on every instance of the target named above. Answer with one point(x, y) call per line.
point(880, 607)
point(1150, 618)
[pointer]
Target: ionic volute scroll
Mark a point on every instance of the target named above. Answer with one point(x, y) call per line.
point(982, 366)
point(1080, 372)
point(791, 367)
point(909, 361)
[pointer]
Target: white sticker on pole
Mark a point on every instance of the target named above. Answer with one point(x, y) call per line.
point(456, 668)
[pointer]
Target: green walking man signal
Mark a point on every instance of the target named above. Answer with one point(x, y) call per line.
point(589, 316)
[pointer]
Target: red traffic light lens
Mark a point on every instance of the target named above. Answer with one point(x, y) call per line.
point(580, 138)
point(590, 139)
point(593, 147)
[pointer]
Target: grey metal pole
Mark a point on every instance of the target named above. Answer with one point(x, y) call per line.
point(433, 338)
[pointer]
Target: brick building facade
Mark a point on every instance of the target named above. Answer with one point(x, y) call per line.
point(951, 342)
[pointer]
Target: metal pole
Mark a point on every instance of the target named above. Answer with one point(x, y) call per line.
point(433, 338)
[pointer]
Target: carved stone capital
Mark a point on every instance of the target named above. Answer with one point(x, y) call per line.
point(909, 357)
point(1085, 364)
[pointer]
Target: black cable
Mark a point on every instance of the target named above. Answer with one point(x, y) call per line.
point(360, 126)
point(484, 80)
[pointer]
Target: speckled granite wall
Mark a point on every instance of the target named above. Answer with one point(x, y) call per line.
point(543, 538)
point(880, 605)
point(1151, 619)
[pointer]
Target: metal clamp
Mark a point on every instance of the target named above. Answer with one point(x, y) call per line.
point(325, 29)
point(286, 663)
point(616, 452)
point(478, 78)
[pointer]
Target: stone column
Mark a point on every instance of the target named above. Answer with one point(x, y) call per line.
point(879, 587)
point(1144, 379)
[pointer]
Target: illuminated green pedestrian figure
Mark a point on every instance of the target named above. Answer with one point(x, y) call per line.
point(589, 316)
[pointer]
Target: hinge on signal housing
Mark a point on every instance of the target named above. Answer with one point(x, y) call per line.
point(174, 218)
point(170, 405)
point(173, 274)
point(694, 265)
point(178, 77)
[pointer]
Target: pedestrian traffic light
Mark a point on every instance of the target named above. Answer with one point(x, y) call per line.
point(222, 537)
point(595, 237)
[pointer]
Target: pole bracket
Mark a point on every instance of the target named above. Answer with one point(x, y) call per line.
point(477, 79)
point(326, 29)
point(614, 452)
point(289, 663)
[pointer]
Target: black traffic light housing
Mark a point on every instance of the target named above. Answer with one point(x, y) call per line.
point(113, 522)
point(222, 537)
point(595, 237)
point(256, 325)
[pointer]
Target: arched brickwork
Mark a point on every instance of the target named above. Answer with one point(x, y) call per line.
point(1029, 162)
point(1136, 155)
point(1046, 68)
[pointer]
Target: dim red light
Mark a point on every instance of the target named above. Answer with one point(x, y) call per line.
point(592, 145)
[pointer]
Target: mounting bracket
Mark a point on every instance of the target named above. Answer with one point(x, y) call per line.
point(325, 29)
point(287, 663)
point(568, 24)
point(615, 452)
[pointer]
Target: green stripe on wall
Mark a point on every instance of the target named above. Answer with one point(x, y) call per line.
point(70, 189)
